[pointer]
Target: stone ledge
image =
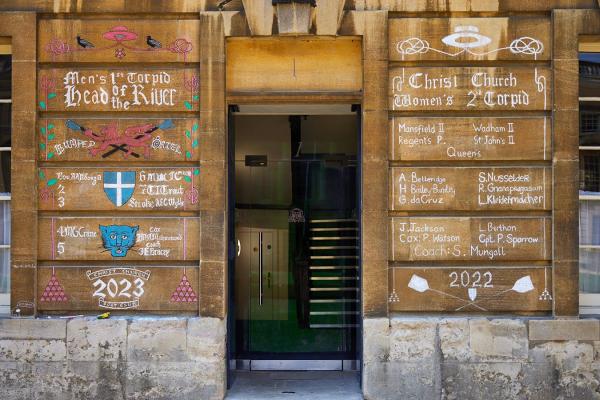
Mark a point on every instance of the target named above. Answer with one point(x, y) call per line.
point(575, 329)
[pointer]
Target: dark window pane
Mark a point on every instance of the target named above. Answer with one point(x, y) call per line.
point(589, 123)
point(5, 76)
point(589, 172)
point(4, 171)
point(589, 74)
point(589, 86)
point(5, 125)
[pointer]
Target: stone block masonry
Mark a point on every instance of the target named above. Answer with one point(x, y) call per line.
point(112, 359)
point(404, 358)
point(481, 358)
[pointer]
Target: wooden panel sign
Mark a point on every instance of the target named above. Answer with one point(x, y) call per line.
point(85, 40)
point(426, 39)
point(470, 188)
point(133, 238)
point(464, 139)
point(470, 289)
point(470, 238)
point(121, 189)
point(118, 89)
point(169, 139)
point(470, 88)
point(117, 288)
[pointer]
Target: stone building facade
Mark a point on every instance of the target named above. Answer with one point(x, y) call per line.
point(459, 290)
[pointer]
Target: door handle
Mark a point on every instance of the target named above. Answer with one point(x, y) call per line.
point(260, 268)
point(268, 280)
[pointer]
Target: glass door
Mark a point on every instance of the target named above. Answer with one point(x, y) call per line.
point(296, 269)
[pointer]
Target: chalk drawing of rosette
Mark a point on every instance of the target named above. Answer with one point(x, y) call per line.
point(467, 38)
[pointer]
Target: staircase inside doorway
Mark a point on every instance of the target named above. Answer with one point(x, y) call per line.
point(334, 273)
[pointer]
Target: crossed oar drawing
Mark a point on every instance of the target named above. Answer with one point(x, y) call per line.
point(521, 285)
point(166, 124)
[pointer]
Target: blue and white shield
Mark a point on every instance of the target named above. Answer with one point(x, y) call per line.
point(119, 186)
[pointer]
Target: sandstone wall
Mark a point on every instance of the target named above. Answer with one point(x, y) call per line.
point(86, 358)
point(461, 358)
point(404, 358)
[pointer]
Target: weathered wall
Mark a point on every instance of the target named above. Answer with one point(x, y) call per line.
point(479, 358)
point(404, 358)
point(86, 358)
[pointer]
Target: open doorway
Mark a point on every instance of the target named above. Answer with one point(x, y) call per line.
point(294, 237)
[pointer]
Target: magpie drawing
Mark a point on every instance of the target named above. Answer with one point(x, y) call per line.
point(153, 42)
point(84, 43)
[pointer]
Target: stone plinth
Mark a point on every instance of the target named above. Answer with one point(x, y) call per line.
point(116, 358)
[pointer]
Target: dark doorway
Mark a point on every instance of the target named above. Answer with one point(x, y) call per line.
point(294, 237)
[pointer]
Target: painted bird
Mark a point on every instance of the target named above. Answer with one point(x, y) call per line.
point(84, 43)
point(153, 42)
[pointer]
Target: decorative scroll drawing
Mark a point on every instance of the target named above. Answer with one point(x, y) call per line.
point(54, 291)
point(467, 38)
point(120, 35)
point(540, 81)
point(118, 288)
point(191, 194)
point(421, 285)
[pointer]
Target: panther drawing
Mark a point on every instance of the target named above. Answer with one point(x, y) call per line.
point(118, 239)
